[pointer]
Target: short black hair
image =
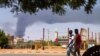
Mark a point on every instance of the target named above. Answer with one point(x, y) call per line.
point(70, 32)
point(76, 31)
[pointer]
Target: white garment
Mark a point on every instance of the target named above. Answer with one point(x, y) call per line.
point(71, 41)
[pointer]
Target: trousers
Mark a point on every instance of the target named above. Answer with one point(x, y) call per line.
point(70, 50)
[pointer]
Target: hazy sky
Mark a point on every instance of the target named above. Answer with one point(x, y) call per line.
point(32, 25)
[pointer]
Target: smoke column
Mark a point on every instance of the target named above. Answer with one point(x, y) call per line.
point(23, 22)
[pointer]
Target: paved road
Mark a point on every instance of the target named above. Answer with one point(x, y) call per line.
point(29, 55)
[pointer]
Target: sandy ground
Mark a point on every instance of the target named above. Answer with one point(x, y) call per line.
point(30, 51)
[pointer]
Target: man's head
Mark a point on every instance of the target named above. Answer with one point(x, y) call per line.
point(76, 31)
point(70, 31)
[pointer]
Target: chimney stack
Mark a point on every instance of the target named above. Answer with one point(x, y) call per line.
point(88, 33)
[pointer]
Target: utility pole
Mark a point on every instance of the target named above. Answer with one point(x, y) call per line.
point(43, 39)
point(88, 33)
point(97, 34)
point(68, 34)
point(57, 34)
point(95, 38)
point(92, 36)
point(48, 37)
point(99, 38)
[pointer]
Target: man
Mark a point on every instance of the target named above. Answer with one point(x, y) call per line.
point(70, 43)
point(78, 42)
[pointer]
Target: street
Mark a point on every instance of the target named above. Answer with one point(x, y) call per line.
point(25, 52)
point(30, 55)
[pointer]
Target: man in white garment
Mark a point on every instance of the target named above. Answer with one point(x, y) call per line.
point(70, 47)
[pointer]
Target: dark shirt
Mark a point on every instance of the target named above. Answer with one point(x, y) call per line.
point(78, 40)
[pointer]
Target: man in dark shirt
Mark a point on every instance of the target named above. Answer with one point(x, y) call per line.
point(78, 42)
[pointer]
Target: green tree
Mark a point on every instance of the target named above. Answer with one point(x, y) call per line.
point(56, 6)
point(3, 39)
point(54, 43)
point(30, 43)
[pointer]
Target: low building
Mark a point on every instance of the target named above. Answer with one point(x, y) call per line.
point(10, 41)
point(62, 40)
point(18, 42)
